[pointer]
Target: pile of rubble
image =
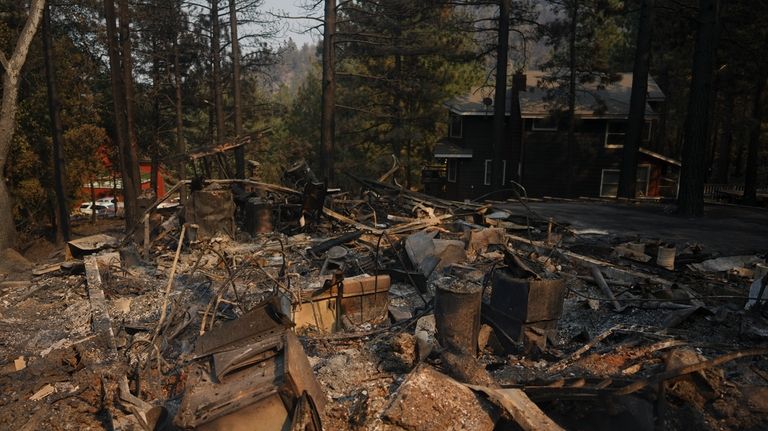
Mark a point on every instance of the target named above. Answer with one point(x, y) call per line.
point(297, 307)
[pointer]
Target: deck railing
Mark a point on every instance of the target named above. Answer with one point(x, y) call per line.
point(727, 192)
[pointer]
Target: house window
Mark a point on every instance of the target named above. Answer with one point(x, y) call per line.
point(488, 168)
point(452, 170)
point(647, 131)
point(503, 172)
point(548, 124)
point(643, 178)
point(616, 133)
point(609, 183)
point(455, 126)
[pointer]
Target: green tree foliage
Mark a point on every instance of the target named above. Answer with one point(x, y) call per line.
point(86, 148)
point(80, 77)
point(398, 62)
point(600, 37)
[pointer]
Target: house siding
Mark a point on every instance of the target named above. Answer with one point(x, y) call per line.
point(546, 162)
point(478, 135)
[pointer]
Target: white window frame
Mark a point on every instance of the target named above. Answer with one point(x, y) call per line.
point(455, 170)
point(605, 140)
point(542, 128)
point(488, 172)
point(503, 172)
point(602, 178)
point(647, 179)
point(624, 134)
point(451, 132)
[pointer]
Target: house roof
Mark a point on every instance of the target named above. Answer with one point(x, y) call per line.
point(539, 99)
point(661, 157)
point(448, 150)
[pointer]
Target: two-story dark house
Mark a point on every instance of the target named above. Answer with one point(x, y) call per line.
point(537, 154)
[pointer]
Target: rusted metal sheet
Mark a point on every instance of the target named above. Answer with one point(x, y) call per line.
point(360, 299)
point(227, 362)
point(299, 373)
point(259, 375)
point(270, 414)
point(259, 323)
point(248, 393)
point(80, 247)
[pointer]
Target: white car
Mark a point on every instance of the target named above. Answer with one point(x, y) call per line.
point(89, 207)
point(109, 203)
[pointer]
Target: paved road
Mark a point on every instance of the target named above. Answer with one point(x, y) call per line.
point(729, 230)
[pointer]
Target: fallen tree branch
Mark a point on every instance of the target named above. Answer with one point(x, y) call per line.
point(521, 409)
point(588, 261)
point(598, 276)
point(170, 283)
point(688, 369)
point(565, 363)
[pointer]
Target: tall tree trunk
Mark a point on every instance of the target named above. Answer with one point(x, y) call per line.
point(8, 107)
point(738, 163)
point(723, 160)
point(697, 124)
point(93, 202)
point(154, 174)
point(750, 174)
point(328, 111)
point(571, 139)
point(62, 210)
point(119, 108)
point(660, 140)
point(628, 178)
point(180, 145)
point(130, 97)
point(114, 193)
point(397, 123)
point(239, 151)
point(500, 95)
point(218, 104)
point(715, 119)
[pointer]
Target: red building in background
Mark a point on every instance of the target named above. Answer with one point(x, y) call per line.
point(111, 184)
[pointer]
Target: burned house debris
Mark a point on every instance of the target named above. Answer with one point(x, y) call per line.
point(293, 307)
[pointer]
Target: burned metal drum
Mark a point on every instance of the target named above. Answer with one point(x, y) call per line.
point(517, 304)
point(457, 316)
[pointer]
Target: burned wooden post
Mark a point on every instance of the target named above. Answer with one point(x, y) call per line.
point(102, 323)
point(146, 236)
